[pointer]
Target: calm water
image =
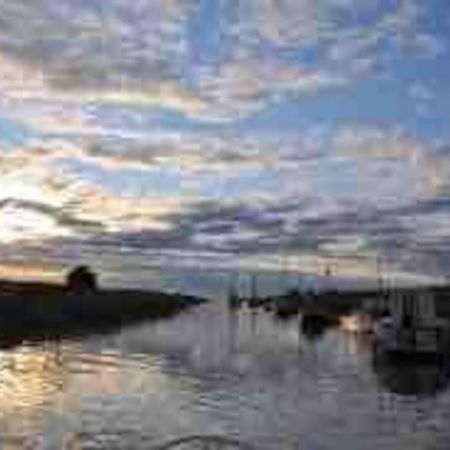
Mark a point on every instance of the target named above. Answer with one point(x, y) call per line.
point(210, 371)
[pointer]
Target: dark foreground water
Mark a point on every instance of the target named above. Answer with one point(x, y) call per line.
point(209, 371)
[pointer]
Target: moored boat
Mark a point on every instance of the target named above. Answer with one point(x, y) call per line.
point(412, 328)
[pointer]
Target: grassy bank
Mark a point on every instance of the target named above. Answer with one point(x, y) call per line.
point(28, 309)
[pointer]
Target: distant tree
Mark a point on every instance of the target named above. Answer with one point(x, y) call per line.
point(81, 279)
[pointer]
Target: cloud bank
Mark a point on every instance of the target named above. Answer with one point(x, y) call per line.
point(260, 131)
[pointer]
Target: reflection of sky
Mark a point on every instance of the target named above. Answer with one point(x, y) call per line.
point(240, 373)
point(295, 124)
point(53, 394)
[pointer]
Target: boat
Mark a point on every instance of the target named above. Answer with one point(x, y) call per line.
point(411, 327)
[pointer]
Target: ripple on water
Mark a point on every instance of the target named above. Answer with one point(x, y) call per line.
point(243, 375)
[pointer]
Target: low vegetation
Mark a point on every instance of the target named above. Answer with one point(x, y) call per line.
point(30, 309)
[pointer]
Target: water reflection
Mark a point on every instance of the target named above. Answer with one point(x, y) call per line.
point(314, 326)
point(412, 378)
point(211, 371)
point(32, 380)
point(57, 395)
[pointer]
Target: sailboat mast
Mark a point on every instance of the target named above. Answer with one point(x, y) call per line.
point(379, 277)
point(254, 292)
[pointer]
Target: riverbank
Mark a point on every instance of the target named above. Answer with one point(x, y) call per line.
point(28, 309)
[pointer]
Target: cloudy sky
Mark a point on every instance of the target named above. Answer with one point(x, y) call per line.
point(236, 133)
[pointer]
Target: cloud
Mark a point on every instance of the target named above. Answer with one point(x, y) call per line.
point(429, 165)
point(48, 116)
point(337, 25)
point(322, 225)
point(130, 192)
point(63, 218)
point(377, 142)
point(436, 174)
point(31, 220)
point(36, 186)
point(23, 224)
point(80, 44)
point(428, 45)
point(28, 87)
point(240, 87)
point(330, 172)
point(212, 233)
point(422, 170)
point(421, 92)
point(185, 154)
point(78, 52)
point(236, 90)
point(192, 154)
point(140, 54)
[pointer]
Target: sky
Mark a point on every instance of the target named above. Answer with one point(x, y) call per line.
point(251, 134)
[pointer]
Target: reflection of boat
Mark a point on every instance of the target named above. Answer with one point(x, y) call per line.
point(411, 376)
point(255, 301)
point(314, 325)
point(411, 327)
point(234, 301)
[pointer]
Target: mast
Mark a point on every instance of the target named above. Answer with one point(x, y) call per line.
point(379, 277)
point(233, 293)
point(254, 291)
point(327, 275)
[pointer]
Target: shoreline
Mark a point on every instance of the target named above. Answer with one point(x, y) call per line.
point(46, 310)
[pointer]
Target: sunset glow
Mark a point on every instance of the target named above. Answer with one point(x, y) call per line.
point(301, 129)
